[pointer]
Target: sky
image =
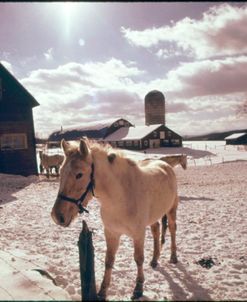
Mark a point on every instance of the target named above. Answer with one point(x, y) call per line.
point(90, 61)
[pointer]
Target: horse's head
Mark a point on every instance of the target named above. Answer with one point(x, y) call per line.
point(75, 179)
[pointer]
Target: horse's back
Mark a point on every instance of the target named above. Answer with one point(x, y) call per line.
point(159, 188)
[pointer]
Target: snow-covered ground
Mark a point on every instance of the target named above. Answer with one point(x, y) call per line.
point(211, 223)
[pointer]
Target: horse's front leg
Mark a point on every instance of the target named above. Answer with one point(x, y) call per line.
point(112, 243)
point(139, 259)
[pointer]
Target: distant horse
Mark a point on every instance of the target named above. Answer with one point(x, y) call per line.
point(49, 161)
point(131, 197)
point(173, 160)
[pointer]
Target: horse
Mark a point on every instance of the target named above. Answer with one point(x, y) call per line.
point(173, 160)
point(176, 159)
point(49, 161)
point(132, 196)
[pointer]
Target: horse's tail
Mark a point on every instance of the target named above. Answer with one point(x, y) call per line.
point(164, 227)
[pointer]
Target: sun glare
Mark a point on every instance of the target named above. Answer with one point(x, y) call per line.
point(68, 9)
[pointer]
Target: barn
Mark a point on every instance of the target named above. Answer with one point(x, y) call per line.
point(123, 134)
point(236, 139)
point(95, 130)
point(17, 138)
point(143, 137)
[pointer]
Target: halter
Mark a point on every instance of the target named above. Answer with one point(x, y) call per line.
point(78, 202)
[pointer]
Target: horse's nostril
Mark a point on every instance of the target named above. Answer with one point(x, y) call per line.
point(61, 219)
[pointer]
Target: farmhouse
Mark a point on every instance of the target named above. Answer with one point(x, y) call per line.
point(17, 139)
point(236, 139)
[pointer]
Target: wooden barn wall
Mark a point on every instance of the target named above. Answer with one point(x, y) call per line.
point(23, 161)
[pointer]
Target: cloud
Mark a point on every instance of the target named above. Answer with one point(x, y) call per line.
point(221, 31)
point(79, 93)
point(205, 78)
point(49, 54)
point(195, 92)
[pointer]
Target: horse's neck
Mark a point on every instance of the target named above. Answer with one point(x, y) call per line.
point(108, 176)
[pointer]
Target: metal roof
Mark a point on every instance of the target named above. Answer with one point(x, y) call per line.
point(235, 135)
point(132, 133)
point(95, 125)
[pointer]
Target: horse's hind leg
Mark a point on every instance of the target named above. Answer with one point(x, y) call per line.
point(172, 228)
point(139, 259)
point(164, 228)
point(112, 243)
point(155, 228)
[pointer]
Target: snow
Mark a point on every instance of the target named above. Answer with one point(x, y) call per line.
point(131, 133)
point(211, 222)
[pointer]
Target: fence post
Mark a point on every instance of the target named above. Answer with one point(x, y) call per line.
point(86, 257)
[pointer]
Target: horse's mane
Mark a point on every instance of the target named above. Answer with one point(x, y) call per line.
point(105, 149)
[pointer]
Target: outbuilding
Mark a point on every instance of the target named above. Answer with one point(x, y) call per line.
point(17, 138)
point(236, 139)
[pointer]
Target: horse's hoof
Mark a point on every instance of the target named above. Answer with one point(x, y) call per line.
point(154, 263)
point(173, 259)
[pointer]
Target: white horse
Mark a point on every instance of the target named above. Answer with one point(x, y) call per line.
point(131, 195)
point(49, 161)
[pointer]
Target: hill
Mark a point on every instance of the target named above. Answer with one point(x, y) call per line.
point(216, 136)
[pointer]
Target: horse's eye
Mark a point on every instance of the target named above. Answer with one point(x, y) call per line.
point(79, 175)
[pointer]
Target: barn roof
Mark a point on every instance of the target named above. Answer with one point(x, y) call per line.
point(132, 133)
point(19, 92)
point(96, 130)
point(95, 125)
point(235, 135)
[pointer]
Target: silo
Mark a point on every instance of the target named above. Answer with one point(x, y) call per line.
point(154, 108)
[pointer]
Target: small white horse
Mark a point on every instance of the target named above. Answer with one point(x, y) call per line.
point(49, 161)
point(131, 195)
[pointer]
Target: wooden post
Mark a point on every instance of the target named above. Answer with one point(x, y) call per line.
point(87, 273)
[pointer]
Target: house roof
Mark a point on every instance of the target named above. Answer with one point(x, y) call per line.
point(235, 135)
point(12, 84)
point(132, 133)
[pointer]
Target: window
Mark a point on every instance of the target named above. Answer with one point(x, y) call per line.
point(155, 133)
point(128, 143)
point(176, 141)
point(162, 134)
point(16, 141)
point(120, 143)
point(136, 143)
point(121, 122)
point(145, 143)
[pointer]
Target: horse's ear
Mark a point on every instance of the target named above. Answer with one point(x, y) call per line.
point(65, 146)
point(83, 147)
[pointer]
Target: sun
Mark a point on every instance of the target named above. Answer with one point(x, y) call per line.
point(68, 9)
